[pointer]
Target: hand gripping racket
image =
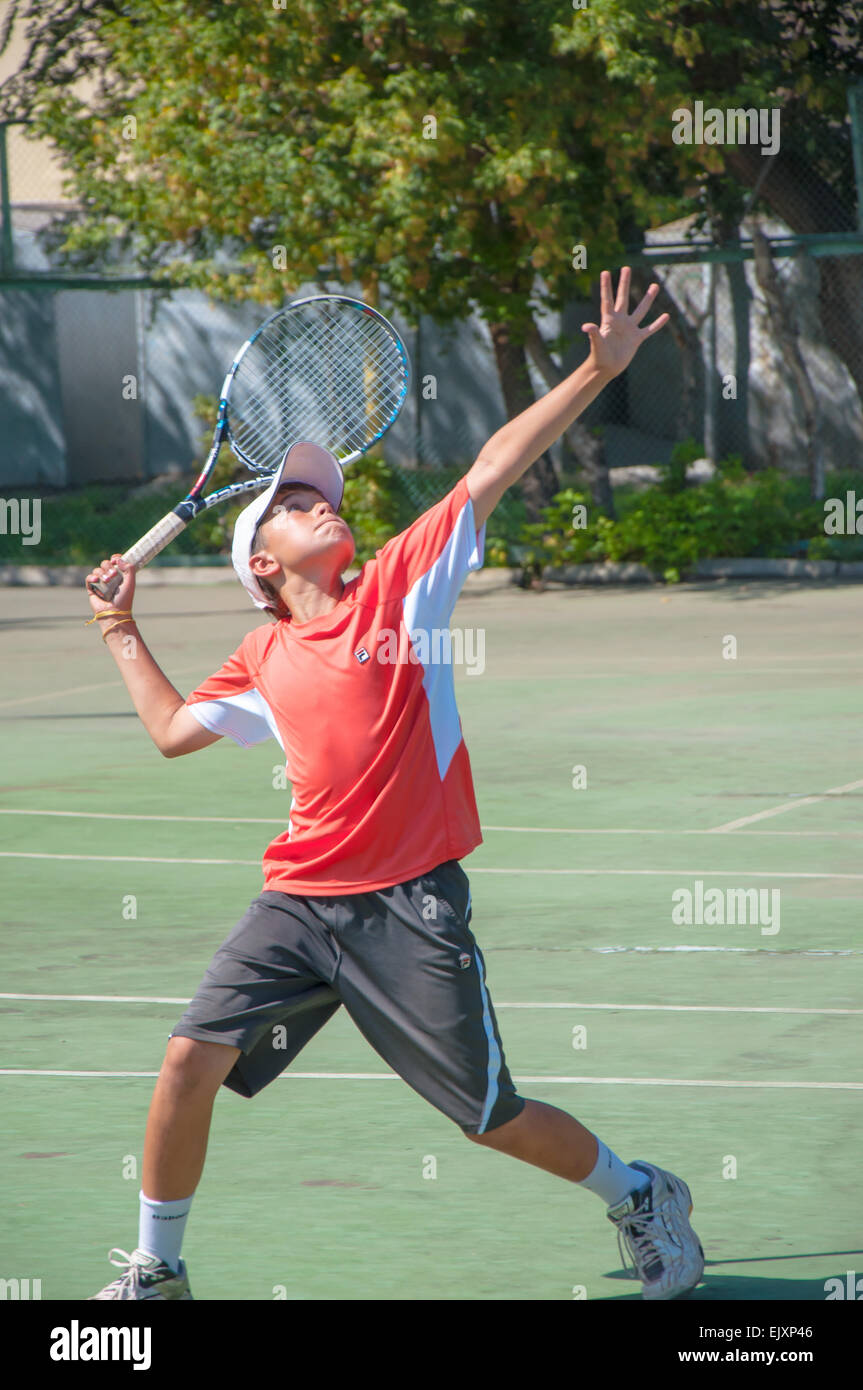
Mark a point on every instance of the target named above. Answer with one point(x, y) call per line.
point(327, 369)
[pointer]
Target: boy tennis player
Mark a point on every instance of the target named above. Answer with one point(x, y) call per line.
point(365, 903)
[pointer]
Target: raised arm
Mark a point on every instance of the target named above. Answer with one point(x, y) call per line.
point(161, 707)
point(613, 344)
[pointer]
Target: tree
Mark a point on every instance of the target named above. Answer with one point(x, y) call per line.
point(800, 57)
point(454, 151)
point(457, 153)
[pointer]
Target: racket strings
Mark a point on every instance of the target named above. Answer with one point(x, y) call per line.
point(315, 345)
point(333, 376)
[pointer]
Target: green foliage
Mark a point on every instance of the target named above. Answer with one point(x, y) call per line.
point(409, 147)
point(683, 453)
point(370, 506)
point(85, 527)
point(188, 151)
point(735, 514)
point(449, 153)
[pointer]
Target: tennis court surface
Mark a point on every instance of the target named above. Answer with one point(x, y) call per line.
point(727, 1052)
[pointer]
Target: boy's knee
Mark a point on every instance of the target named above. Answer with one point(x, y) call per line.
point(191, 1061)
point(491, 1138)
point(500, 1133)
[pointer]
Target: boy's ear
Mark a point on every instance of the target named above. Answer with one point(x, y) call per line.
point(266, 563)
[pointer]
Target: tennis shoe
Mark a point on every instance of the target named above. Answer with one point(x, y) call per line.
point(145, 1276)
point(653, 1224)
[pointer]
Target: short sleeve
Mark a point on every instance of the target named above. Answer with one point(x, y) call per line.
point(227, 703)
point(435, 553)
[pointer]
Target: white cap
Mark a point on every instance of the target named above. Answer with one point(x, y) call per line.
point(303, 463)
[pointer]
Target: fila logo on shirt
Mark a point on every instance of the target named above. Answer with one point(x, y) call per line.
point(362, 655)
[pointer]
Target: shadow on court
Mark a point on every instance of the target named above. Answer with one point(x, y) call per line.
point(740, 1289)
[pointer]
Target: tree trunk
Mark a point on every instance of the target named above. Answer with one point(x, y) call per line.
point(795, 192)
point(540, 483)
point(585, 448)
point(786, 337)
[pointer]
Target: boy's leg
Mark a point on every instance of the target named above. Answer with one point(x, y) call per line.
point(556, 1141)
point(264, 995)
point(412, 977)
point(178, 1125)
point(548, 1138)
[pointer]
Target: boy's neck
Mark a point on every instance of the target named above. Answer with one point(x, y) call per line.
point(306, 601)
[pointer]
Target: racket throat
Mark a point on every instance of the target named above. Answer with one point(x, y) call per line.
point(188, 509)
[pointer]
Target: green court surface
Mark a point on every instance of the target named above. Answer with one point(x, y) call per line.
point(729, 1053)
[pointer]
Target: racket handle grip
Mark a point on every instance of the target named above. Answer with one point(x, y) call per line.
point(143, 551)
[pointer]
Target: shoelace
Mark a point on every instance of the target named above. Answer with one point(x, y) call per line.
point(132, 1264)
point(647, 1238)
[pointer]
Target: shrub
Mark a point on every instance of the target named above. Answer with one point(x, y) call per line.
point(669, 529)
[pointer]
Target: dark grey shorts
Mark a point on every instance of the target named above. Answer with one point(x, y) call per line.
point(407, 968)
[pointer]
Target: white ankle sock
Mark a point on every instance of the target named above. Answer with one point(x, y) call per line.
point(612, 1179)
point(161, 1226)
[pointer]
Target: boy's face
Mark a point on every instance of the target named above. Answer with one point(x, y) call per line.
point(301, 532)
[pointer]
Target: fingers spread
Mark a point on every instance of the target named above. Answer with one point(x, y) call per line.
point(655, 327)
point(622, 301)
point(638, 313)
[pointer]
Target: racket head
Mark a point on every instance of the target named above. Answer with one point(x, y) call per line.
point(326, 368)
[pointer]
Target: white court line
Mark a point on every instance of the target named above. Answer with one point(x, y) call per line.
point(728, 950)
point(80, 690)
point(111, 815)
point(125, 859)
point(665, 873)
point(681, 1008)
point(58, 694)
point(664, 1008)
point(787, 806)
point(616, 873)
point(514, 829)
point(561, 1080)
point(583, 675)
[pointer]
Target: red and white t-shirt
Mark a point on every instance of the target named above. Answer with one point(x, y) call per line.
point(362, 702)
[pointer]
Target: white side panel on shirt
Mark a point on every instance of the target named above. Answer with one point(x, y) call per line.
point(428, 606)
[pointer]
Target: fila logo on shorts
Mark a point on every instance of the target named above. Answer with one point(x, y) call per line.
point(362, 655)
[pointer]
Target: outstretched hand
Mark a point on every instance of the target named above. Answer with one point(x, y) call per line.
point(615, 341)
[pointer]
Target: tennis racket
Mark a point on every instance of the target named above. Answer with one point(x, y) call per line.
point(328, 369)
